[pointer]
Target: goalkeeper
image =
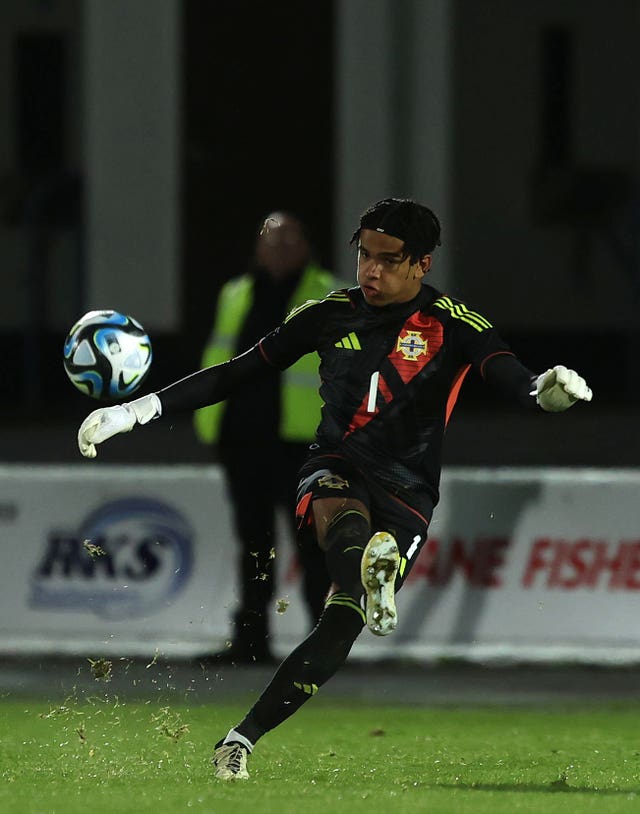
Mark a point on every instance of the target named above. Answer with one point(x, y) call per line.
point(393, 352)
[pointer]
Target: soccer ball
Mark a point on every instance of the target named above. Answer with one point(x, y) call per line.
point(107, 355)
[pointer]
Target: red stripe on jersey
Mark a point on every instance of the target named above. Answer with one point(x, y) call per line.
point(385, 392)
point(455, 391)
point(418, 342)
point(363, 416)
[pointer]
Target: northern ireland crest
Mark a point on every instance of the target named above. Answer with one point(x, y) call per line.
point(412, 345)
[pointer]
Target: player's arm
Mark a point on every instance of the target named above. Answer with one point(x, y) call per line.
point(554, 391)
point(504, 372)
point(276, 351)
point(214, 384)
point(207, 386)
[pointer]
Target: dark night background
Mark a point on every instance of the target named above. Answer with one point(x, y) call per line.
point(257, 133)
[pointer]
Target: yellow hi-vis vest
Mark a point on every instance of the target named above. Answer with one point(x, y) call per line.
point(300, 401)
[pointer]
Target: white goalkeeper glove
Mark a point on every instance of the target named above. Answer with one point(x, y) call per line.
point(559, 388)
point(106, 422)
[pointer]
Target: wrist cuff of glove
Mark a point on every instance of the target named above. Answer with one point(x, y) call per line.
point(146, 408)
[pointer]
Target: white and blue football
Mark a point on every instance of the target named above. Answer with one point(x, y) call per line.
point(107, 355)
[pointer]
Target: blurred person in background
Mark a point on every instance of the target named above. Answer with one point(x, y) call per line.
point(261, 436)
point(394, 352)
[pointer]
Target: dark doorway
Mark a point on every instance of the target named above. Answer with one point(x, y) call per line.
point(257, 135)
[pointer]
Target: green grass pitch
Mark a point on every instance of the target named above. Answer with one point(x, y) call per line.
point(105, 755)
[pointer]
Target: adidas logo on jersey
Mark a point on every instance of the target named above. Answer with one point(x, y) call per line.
point(350, 342)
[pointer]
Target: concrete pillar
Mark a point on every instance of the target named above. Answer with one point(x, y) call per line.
point(131, 53)
point(393, 114)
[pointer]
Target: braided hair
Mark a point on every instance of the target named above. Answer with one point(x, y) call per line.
point(416, 225)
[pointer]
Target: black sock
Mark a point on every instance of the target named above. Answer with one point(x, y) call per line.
point(346, 538)
point(307, 668)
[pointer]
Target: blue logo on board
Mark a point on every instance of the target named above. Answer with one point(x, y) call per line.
point(129, 557)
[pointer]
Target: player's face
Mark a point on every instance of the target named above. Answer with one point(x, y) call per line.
point(385, 275)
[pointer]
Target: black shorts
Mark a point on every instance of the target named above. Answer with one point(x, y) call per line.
point(328, 475)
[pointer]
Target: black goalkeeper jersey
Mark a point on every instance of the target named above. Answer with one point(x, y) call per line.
point(390, 377)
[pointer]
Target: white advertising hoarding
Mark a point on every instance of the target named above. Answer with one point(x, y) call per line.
point(128, 560)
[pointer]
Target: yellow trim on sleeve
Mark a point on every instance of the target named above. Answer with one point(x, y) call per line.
point(460, 311)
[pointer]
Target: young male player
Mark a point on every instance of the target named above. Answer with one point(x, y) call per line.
point(393, 356)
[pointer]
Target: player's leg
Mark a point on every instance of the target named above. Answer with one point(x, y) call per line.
point(390, 554)
point(298, 679)
point(342, 528)
point(356, 559)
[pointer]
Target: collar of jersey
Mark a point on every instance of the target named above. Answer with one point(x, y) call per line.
point(425, 295)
